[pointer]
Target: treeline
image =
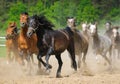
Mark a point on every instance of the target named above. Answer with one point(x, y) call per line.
point(58, 10)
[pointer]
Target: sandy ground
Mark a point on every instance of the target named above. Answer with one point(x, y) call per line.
point(95, 73)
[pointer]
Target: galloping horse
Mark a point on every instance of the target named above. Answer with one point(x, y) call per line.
point(51, 42)
point(81, 44)
point(100, 44)
point(116, 41)
point(11, 42)
point(27, 47)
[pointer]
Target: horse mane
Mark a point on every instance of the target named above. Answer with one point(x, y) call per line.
point(44, 22)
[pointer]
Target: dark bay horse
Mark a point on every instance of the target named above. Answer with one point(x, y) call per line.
point(27, 47)
point(81, 43)
point(11, 42)
point(51, 42)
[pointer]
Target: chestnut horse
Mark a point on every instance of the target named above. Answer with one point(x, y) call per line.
point(27, 47)
point(11, 42)
point(81, 43)
point(51, 42)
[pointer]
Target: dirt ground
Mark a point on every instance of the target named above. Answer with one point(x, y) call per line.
point(95, 73)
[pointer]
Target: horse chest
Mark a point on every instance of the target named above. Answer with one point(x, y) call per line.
point(23, 43)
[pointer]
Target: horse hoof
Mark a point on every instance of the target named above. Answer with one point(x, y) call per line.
point(59, 76)
point(47, 71)
point(49, 66)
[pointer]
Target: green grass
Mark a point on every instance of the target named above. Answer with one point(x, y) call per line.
point(2, 51)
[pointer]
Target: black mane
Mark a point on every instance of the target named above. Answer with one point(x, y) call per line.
point(44, 22)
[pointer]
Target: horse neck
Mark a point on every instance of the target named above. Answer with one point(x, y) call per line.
point(95, 41)
point(40, 34)
point(24, 31)
point(108, 32)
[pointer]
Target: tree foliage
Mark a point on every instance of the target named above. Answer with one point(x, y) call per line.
point(58, 10)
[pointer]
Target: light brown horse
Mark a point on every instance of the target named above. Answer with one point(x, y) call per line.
point(11, 42)
point(26, 46)
point(81, 43)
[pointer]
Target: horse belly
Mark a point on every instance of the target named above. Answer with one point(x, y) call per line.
point(60, 45)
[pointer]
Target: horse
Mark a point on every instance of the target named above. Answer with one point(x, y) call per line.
point(85, 32)
point(108, 31)
point(81, 43)
point(11, 42)
point(27, 47)
point(99, 44)
point(115, 41)
point(51, 42)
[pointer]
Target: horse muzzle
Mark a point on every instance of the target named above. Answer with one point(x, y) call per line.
point(22, 24)
point(29, 33)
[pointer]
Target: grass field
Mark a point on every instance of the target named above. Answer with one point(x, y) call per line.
point(2, 51)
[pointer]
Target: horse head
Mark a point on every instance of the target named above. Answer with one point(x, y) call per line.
point(71, 22)
point(24, 19)
point(115, 31)
point(38, 23)
point(93, 29)
point(85, 26)
point(108, 25)
point(11, 30)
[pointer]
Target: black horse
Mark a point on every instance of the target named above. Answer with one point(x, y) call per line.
point(51, 42)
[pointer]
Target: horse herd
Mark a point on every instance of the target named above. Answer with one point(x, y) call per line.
point(37, 36)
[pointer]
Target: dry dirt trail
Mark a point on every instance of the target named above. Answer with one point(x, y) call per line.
point(97, 73)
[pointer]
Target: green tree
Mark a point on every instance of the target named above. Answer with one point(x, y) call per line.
point(15, 11)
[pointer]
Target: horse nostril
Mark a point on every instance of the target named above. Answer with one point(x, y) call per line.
point(23, 23)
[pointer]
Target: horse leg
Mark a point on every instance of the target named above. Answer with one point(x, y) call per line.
point(50, 50)
point(32, 59)
point(72, 55)
point(118, 53)
point(79, 60)
point(58, 57)
point(39, 57)
point(29, 63)
point(84, 58)
point(8, 56)
point(106, 58)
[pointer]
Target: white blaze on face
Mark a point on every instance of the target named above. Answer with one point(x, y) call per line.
point(70, 22)
point(84, 27)
point(107, 26)
point(92, 29)
point(114, 32)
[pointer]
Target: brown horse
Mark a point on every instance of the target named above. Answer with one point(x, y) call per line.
point(81, 43)
point(51, 42)
point(27, 47)
point(11, 42)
